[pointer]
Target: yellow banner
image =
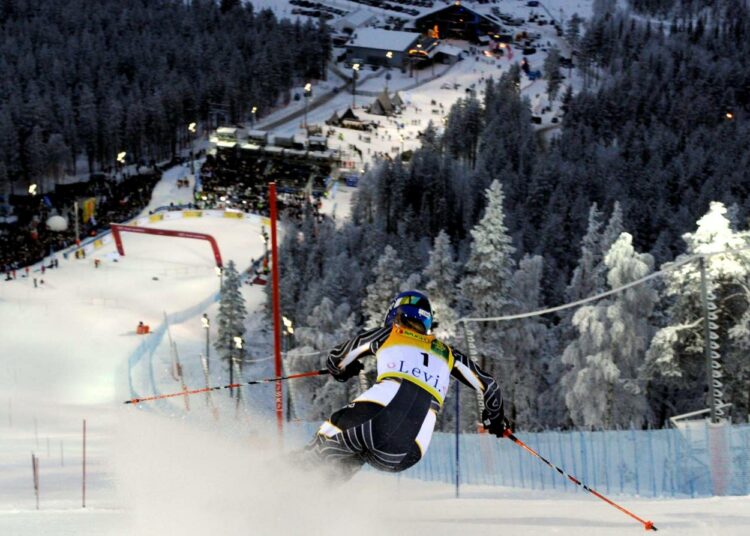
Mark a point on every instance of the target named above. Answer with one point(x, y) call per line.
point(192, 213)
point(89, 206)
point(238, 215)
point(156, 217)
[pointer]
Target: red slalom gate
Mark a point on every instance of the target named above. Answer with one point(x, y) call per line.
point(276, 310)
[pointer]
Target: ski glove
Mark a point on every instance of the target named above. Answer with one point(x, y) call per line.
point(495, 423)
point(342, 375)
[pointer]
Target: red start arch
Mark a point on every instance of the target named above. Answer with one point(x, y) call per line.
point(118, 228)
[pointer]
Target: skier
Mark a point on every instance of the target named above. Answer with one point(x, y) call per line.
point(390, 425)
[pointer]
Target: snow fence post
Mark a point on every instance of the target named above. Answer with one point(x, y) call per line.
point(83, 490)
point(35, 472)
point(458, 433)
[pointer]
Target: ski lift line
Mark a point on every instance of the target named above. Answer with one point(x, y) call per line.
point(283, 353)
point(668, 268)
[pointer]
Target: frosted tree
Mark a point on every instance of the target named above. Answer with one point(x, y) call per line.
point(526, 342)
point(589, 275)
point(441, 273)
point(485, 286)
point(231, 317)
point(328, 325)
point(586, 278)
point(388, 275)
point(630, 329)
point(676, 353)
point(490, 264)
point(603, 388)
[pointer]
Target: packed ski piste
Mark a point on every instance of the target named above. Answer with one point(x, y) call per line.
point(152, 382)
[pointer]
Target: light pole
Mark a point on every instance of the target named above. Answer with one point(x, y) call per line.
point(289, 328)
point(252, 111)
point(238, 345)
point(206, 325)
point(192, 129)
point(308, 93)
point(355, 75)
point(388, 57)
point(416, 71)
point(121, 158)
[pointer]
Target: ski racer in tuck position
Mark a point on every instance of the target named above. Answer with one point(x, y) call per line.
point(390, 425)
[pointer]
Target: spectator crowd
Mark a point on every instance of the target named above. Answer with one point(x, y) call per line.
point(25, 238)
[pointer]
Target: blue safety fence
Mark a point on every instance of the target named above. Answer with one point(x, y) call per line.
point(141, 363)
point(695, 461)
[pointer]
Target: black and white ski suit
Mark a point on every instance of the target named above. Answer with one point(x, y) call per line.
point(390, 425)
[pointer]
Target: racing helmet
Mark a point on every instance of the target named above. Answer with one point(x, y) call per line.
point(411, 309)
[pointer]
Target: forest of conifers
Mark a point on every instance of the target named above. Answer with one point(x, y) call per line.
point(491, 222)
point(95, 78)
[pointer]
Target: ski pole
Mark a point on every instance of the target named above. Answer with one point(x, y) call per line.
point(229, 386)
point(648, 525)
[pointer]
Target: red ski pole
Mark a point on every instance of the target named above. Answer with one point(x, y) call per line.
point(229, 386)
point(648, 525)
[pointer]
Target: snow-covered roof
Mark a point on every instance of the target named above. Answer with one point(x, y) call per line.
point(449, 50)
point(379, 39)
point(226, 131)
point(356, 18)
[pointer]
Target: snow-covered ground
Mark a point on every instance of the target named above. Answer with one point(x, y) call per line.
point(69, 352)
point(154, 469)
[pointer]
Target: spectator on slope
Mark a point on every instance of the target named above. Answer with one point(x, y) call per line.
point(390, 425)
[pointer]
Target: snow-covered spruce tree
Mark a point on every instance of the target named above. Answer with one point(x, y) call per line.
point(603, 388)
point(388, 275)
point(589, 275)
point(441, 276)
point(232, 313)
point(328, 325)
point(488, 272)
point(676, 354)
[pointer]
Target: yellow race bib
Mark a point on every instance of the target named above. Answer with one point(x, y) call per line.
point(420, 359)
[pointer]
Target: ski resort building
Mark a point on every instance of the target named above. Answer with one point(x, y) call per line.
point(385, 104)
point(457, 21)
point(371, 46)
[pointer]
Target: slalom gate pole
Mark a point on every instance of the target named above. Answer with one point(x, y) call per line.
point(648, 525)
point(229, 386)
